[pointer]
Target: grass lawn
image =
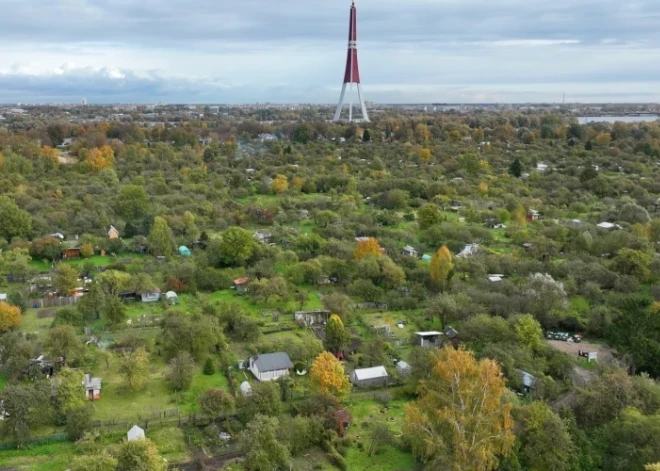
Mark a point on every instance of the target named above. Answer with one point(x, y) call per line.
point(365, 413)
point(3, 382)
point(32, 324)
point(50, 457)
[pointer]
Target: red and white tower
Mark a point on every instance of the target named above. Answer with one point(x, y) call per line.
point(352, 74)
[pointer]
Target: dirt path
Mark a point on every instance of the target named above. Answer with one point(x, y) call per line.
point(604, 352)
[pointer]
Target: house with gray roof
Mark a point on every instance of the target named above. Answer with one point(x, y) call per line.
point(270, 366)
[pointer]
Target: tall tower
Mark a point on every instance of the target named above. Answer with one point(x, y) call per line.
point(352, 74)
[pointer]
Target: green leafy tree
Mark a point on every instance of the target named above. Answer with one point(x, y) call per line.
point(336, 336)
point(339, 304)
point(197, 335)
point(65, 279)
point(15, 221)
point(69, 394)
point(134, 367)
point(428, 216)
point(101, 461)
point(632, 262)
point(24, 406)
point(132, 203)
point(209, 367)
point(161, 240)
point(529, 332)
point(79, 422)
point(114, 311)
point(180, 371)
point(544, 440)
point(140, 455)
point(262, 449)
point(236, 246)
point(62, 341)
point(216, 402)
point(91, 305)
point(266, 399)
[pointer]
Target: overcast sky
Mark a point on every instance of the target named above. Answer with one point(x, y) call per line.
point(245, 51)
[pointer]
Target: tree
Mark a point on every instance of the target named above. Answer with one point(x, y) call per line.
point(279, 184)
point(190, 227)
point(102, 461)
point(15, 221)
point(236, 247)
point(78, 422)
point(374, 353)
point(441, 265)
point(197, 335)
point(68, 393)
point(544, 440)
point(266, 399)
point(114, 310)
point(366, 247)
point(161, 240)
point(460, 422)
point(632, 262)
point(428, 216)
point(91, 305)
point(209, 367)
point(380, 435)
point(216, 402)
point(603, 139)
point(259, 443)
point(336, 336)
point(338, 303)
point(139, 455)
point(65, 279)
point(180, 371)
point(515, 168)
point(327, 376)
point(113, 282)
point(97, 160)
point(529, 332)
point(86, 250)
point(134, 367)
point(518, 215)
point(46, 247)
point(16, 262)
point(62, 341)
point(366, 136)
point(631, 442)
point(132, 203)
point(24, 406)
point(10, 317)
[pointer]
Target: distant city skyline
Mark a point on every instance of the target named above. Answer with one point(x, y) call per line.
point(294, 51)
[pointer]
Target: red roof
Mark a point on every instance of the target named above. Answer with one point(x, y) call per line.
point(241, 281)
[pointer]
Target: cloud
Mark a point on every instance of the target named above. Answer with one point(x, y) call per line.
point(293, 50)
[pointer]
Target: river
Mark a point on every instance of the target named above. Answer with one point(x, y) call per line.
point(612, 119)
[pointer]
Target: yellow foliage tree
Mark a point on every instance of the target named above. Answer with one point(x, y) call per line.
point(425, 155)
point(460, 422)
point(483, 188)
point(99, 159)
point(518, 215)
point(327, 376)
point(441, 265)
point(280, 184)
point(652, 467)
point(297, 183)
point(10, 317)
point(603, 139)
point(87, 250)
point(49, 156)
point(366, 247)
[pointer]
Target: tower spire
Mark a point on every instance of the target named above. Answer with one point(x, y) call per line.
point(352, 72)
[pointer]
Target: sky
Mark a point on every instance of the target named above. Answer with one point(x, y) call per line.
point(294, 51)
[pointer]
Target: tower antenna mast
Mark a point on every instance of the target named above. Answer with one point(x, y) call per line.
point(352, 73)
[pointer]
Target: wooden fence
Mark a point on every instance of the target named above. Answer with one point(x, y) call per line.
point(53, 302)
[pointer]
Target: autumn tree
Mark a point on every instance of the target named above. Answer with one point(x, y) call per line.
point(49, 157)
point(365, 247)
point(99, 159)
point(10, 317)
point(327, 376)
point(460, 421)
point(518, 215)
point(280, 184)
point(336, 336)
point(134, 367)
point(442, 265)
point(161, 240)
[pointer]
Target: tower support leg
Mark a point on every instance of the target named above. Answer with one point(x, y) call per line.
point(341, 103)
point(365, 115)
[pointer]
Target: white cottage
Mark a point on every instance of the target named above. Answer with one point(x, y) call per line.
point(270, 366)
